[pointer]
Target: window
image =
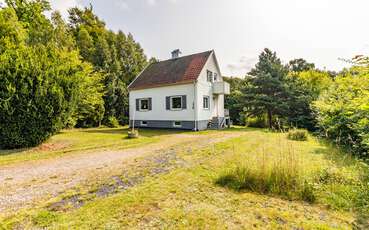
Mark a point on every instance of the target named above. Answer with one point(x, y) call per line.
point(209, 76)
point(215, 76)
point(176, 103)
point(144, 104)
point(143, 123)
point(177, 124)
point(206, 102)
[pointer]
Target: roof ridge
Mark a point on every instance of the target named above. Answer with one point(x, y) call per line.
point(209, 51)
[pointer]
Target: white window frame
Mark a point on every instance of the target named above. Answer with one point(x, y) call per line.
point(215, 77)
point(139, 104)
point(203, 100)
point(142, 123)
point(171, 103)
point(177, 126)
point(209, 74)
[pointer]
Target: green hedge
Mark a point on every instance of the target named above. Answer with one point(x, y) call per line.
point(343, 113)
point(39, 89)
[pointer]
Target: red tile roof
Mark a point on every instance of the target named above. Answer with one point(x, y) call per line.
point(180, 70)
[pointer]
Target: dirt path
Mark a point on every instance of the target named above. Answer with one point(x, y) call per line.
point(22, 185)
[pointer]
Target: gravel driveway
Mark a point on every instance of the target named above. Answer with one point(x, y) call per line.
point(23, 185)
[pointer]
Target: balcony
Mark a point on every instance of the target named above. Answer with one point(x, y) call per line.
point(221, 87)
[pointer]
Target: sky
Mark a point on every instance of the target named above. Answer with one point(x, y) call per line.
point(320, 31)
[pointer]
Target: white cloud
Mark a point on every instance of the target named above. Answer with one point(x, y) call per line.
point(122, 4)
point(242, 66)
point(154, 2)
point(151, 2)
point(63, 5)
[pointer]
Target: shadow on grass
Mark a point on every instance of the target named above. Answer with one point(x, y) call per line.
point(340, 156)
point(5, 152)
point(145, 132)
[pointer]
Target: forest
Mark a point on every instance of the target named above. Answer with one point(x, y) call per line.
point(57, 74)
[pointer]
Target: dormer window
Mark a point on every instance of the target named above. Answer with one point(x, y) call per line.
point(209, 76)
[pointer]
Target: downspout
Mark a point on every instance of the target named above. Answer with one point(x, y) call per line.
point(195, 104)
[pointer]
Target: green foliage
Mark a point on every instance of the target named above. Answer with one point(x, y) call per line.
point(284, 93)
point(299, 65)
point(43, 83)
point(257, 122)
point(233, 102)
point(343, 112)
point(44, 218)
point(297, 135)
point(31, 14)
point(303, 88)
point(90, 108)
point(57, 75)
point(117, 55)
point(112, 122)
point(265, 91)
point(38, 95)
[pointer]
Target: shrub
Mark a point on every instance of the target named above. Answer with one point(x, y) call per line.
point(297, 135)
point(123, 120)
point(342, 112)
point(307, 192)
point(40, 82)
point(38, 95)
point(256, 122)
point(112, 122)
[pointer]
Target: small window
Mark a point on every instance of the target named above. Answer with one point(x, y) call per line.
point(215, 77)
point(143, 123)
point(209, 76)
point(176, 103)
point(177, 124)
point(206, 102)
point(144, 104)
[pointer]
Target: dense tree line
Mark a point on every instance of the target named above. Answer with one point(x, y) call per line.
point(56, 74)
point(281, 96)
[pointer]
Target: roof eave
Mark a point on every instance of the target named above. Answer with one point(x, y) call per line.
point(163, 85)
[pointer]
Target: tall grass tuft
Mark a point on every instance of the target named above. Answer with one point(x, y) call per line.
point(278, 174)
point(297, 135)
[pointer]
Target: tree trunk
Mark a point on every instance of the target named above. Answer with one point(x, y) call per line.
point(270, 117)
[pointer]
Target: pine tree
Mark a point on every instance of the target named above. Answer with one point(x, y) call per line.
point(265, 91)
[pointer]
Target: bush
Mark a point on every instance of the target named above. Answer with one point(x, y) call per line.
point(112, 122)
point(123, 120)
point(40, 82)
point(342, 113)
point(297, 135)
point(256, 122)
point(39, 94)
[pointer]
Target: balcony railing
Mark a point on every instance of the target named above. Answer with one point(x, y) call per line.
point(221, 87)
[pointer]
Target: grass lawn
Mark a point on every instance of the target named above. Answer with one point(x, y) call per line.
point(82, 140)
point(188, 197)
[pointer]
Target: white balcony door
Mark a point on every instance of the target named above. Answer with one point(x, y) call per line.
point(215, 106)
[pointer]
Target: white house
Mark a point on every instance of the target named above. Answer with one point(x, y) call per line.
point(182, 92)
